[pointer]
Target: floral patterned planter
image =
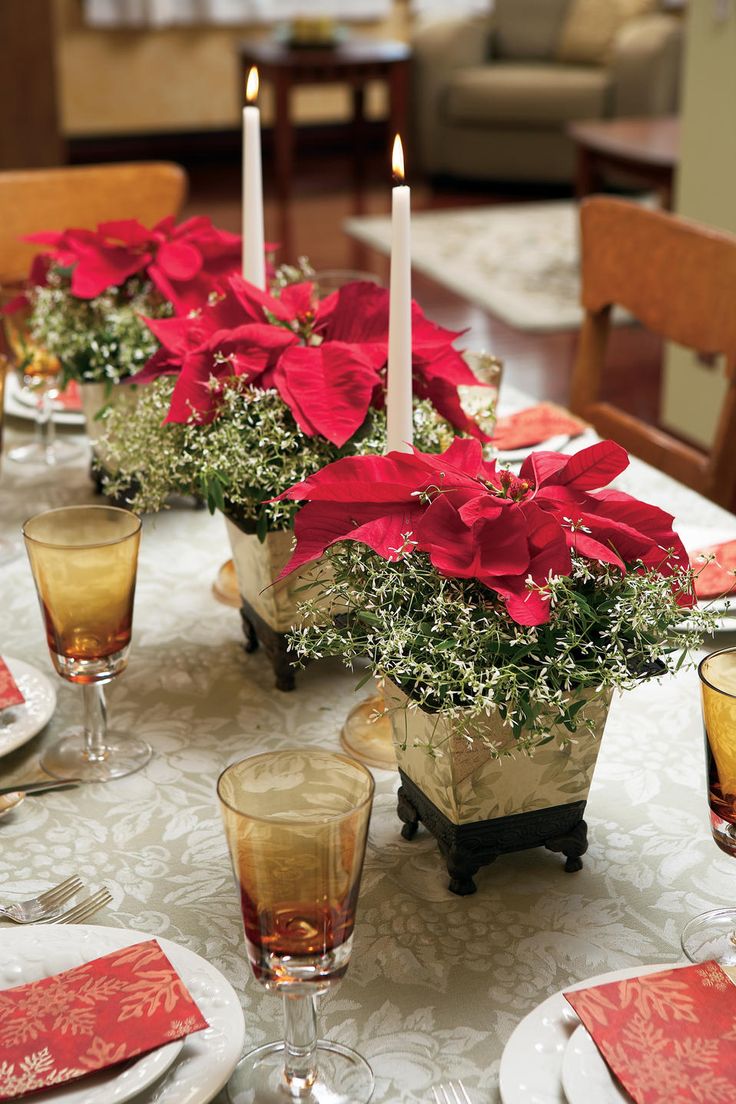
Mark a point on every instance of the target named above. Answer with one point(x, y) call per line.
point(477, 807)
point(269, 609)
point(95, 396)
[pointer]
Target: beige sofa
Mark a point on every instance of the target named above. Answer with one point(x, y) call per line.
point(492, 97)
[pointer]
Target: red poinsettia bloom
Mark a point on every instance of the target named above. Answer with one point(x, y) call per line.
point(185, 262)
point(327, 360)
point(476, 521)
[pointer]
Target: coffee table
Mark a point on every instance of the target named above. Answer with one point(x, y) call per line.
point(643, 149)
point(354, 62)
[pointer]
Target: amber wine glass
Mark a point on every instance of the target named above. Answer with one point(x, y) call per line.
point(712, 935)
point(84, 561)
point(296, 823)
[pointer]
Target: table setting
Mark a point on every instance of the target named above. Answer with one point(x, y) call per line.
point(516, 907)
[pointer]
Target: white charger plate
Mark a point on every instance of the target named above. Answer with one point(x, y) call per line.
point(531, 1063)
point(203, 1064)
point(21, 404)
point(585, 1076)
point(21, 723)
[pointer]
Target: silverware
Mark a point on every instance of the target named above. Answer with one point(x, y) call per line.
point(40, 786)
point(451, 1092)
point(82, 911)
point(45, 905)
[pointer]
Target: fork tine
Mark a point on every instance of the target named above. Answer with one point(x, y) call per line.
point(84, 909)
point(437, 1098)
point(465, 1099)
point(52, 898)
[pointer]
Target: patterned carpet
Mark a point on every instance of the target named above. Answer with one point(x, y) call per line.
point(518, 261)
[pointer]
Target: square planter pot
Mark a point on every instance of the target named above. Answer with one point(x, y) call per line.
point(95, 396)
point(269, 609)
point(478, 808)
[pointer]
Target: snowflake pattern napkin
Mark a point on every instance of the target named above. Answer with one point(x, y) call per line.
point(669, 1037)
point(9, 692)
point(534, 426)
point(91, 1017)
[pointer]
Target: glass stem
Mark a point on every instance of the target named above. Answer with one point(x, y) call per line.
point(45, 425)
point(300, 1044)
point(95, 722)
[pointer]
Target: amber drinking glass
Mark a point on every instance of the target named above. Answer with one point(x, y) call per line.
point(296, 823)
point(713, 934)
point(39, 372)
point(84, 561)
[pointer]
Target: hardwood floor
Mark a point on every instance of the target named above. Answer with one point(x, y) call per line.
point(324, 195)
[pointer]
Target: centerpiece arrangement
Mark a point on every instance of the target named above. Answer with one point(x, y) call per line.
point(89, 292)
point(256, 390)
point(502, 612)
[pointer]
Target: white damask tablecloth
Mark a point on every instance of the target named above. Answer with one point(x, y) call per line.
point(437, 982)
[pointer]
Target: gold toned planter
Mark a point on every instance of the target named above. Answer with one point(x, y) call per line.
point(269, 609)
point(478, 808)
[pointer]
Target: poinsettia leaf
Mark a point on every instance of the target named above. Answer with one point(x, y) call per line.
point(594, 466)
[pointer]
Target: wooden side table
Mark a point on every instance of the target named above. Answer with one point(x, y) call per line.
point(354, 63)
point(646, 149)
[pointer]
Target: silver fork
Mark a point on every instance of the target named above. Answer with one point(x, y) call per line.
point(45, 906)
point(82, 911)
point(450, 1092)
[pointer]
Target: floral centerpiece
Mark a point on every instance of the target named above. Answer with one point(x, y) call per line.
point(503, 611)
point(257, 390)
point(88, 293)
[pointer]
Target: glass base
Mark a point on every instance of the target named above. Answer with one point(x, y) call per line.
point(60, 452)
point(343, 1077)
point(69, 758)
point(369, 741)
point(711, 935)
point(724, 833)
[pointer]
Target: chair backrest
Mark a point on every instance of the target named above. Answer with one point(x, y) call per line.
point(81, 196)
point(678, 279)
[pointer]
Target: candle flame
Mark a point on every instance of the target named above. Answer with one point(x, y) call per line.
point(251, 87)
point(397, 160)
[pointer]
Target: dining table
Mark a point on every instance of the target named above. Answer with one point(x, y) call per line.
point(437, 982)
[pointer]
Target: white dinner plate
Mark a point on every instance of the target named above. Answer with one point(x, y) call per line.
point(192, 1075)
point(531, 1063)
point(585, 1076)
point(517, 456)
point(21, 405)
point(20, 723)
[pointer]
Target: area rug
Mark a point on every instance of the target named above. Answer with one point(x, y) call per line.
point(517, 261)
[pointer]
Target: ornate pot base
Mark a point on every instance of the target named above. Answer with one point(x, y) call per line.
point(275, 645)
point(467, 847)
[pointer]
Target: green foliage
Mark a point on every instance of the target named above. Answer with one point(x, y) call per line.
point(251, 452)
point(450, 645)
point(101, 340)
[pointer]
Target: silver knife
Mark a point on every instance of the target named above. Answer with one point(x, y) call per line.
point(40, 786)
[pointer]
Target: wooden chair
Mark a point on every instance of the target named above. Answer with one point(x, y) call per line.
point(678, 279)
point(54, 199)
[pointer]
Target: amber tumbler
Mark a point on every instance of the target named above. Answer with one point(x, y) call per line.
point(84, 562)
point(296, 823)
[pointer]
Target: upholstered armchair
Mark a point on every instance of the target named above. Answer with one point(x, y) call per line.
point(492, 96)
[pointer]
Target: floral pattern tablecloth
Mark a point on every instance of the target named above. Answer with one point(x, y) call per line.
point(437, 982)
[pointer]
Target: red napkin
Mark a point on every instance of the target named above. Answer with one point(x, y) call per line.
point(717, 579)
point(668, 1037)
point(9, 692)
point(70, 398)
point(535, 425)
point(91, 1017)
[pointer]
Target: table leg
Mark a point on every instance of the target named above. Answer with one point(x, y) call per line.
point(358, 136)
point(283, 136)
point(585, 175)
point(398, 87)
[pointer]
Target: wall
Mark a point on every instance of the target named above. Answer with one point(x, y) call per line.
point(706, 191)
point(122, 82)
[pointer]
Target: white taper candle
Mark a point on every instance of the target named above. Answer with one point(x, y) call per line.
point(399, 384)
point(254, 261)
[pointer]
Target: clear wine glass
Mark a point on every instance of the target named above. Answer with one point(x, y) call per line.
point(40, 372)
point(712, 935)
point(296, 823)
point(84, 561)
